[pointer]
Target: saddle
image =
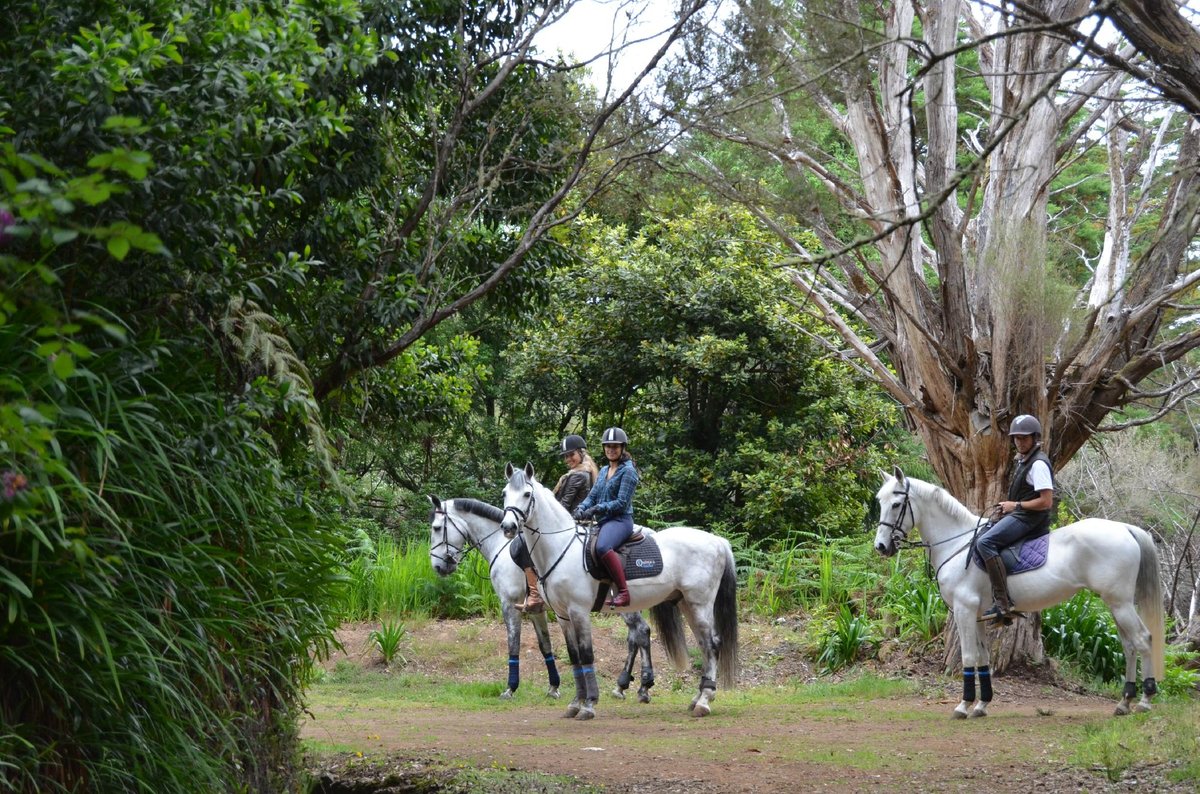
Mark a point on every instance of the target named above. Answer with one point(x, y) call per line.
point(639, 555)
point(1027, 554)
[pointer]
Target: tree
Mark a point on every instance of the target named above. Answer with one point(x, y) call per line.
point(935, 223)
point(683, 334)
point(484, 139)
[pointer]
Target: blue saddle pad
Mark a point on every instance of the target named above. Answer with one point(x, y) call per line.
point(1025, 555)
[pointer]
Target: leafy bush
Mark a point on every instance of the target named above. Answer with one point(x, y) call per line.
point(845, 640)
point(1081, 632)
point(912, 600)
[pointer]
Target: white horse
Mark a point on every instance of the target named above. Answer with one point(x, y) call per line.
point(698, 576)
point(1116, 561)
point(457, 526)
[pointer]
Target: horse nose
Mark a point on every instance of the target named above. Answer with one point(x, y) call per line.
point(882, 548)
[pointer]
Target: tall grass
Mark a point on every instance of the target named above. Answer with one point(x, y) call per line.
point(394, 578)
point(165, 574)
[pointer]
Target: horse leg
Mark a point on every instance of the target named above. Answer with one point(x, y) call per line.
point(1135, 640)
point(637, 643)
point(543, 637)
point(700, 620)
point(626, 674)
point(647, 670)
point(585, 679)
point(975, 665)
point(574, 707)
point(512, 622)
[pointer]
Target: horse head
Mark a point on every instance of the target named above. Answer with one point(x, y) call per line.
point(519, 500)
point(447, 540)
point(896, 517)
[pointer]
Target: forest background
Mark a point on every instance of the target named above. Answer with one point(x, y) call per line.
point(271, 273)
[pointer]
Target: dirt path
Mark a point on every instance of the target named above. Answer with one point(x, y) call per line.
point(751, 743)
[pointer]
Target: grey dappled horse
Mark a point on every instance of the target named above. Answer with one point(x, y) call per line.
point(458, 525)
point(698, 578)
point(1116, 561)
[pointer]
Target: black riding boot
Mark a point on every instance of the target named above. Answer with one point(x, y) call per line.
point(1001, 611)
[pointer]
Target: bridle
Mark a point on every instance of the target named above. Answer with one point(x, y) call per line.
point(455, 554)
point(522, 518)
point(900, 539)
point(899, 536)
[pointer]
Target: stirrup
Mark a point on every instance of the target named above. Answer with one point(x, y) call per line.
point(612, 602)
point(998, 617)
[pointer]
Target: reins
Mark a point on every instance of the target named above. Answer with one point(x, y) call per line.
point(900, 539)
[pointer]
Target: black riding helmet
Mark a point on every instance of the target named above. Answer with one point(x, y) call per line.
point(615, 435)
point(571, 443)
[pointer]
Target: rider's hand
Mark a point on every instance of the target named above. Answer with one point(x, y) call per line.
point(581, 514)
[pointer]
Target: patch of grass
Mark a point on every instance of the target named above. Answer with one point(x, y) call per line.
point(1169, 734)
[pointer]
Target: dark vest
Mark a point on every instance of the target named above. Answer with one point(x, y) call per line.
point(1021, 491)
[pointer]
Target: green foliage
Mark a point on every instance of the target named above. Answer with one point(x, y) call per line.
point(684, 335)
point(1082, 632)
point(389, 578)
point(164, 574)
point(844, 641)
point(387, 640)
point(912, 601)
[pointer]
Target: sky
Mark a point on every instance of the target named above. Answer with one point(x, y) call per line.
point(588, 26)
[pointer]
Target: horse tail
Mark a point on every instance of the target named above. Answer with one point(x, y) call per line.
point(1148, 595)
point(725, 614)
point(668, 621)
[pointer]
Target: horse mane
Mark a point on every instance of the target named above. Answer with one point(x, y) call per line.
point(477, 508)
point(954, 508)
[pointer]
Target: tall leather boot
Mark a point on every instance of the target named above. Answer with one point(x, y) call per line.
point(1001, 611)
point(616, 570)
point(533, 601)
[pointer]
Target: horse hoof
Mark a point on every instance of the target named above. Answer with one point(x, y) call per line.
point(977, 714)
point(643, 697)
point(1121, 710)
point(585, 714)
point(957, 715)
point(571, 712)
point(506, 694)
point(701, 710)
point(618, 694)
point(553, 692)
point(1141, 708)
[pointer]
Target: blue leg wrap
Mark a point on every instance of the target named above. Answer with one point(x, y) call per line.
point(514, 672)
point(552, 670)
point(985, 683)
point(968, 685)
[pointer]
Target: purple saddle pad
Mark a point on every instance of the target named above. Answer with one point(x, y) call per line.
point(1026, 555)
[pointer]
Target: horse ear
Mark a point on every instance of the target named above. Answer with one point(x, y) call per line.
point(529, 470)
point(508, 470)
point(899, 475)
point(437, 503)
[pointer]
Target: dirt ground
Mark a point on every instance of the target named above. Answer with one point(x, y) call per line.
point(639, 748)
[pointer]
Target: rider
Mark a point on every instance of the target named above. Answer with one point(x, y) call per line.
point(610, 502)
point(570, 489)
point(1026, 512)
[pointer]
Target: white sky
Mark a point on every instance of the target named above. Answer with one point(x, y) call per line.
point(589, 26)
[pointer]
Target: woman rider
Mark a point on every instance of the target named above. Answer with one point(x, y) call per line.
point(610, 502)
